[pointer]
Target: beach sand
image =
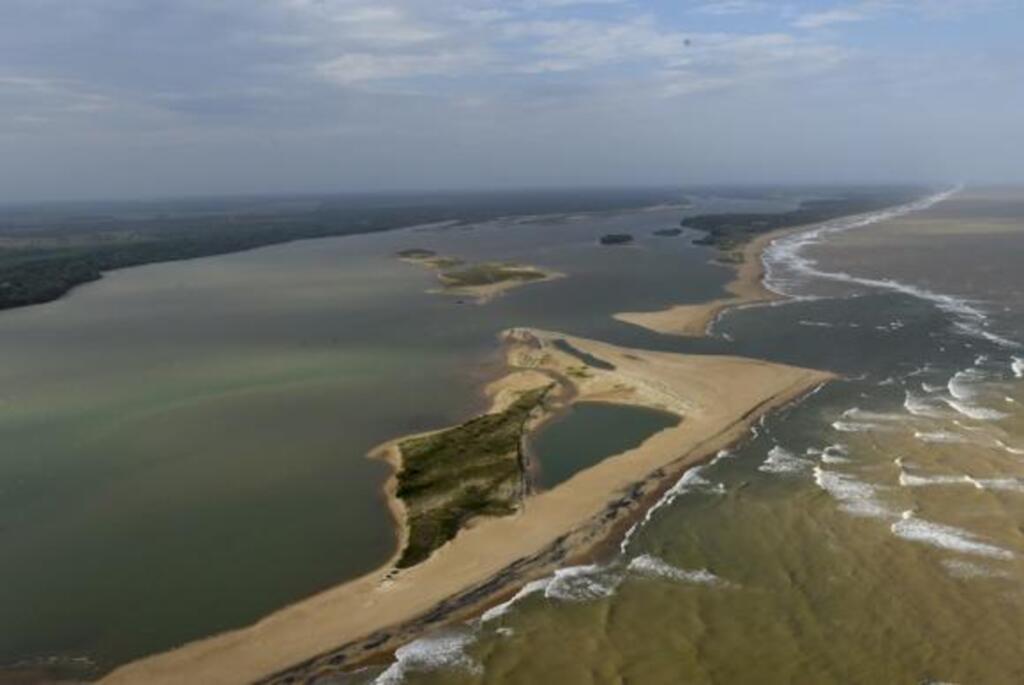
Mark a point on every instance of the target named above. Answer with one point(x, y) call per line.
point(747, 287)
point(719, 399)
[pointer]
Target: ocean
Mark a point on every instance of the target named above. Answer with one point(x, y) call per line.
point(870, 534)
point(185, 452)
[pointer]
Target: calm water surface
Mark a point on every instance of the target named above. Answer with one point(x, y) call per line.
point(589, 433)
point(183, 444)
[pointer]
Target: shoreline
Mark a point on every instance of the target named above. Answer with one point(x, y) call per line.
point(746, 287)
point(359, 621)
point(496, 278)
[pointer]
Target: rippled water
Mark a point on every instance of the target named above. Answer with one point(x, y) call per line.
point(871, 534)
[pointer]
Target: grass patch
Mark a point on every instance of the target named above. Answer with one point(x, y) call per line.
point(455, 475)
point(489, 274)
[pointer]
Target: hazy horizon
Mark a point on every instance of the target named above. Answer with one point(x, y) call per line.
point(118, 100)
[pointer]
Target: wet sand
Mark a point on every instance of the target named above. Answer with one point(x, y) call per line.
point(719, 399)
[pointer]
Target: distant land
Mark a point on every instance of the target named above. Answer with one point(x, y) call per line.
point(730, 231)
point(47, 249)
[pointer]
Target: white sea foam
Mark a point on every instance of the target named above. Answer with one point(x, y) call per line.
point(974, 412)
point(854, 496)
point(1004, 484)
point(1017, 366)
point(691, 481)
point(909, 527)
point(922, 406)
point(968, 569)
point(1007, 484)
point(786, 253)
point(961, 384)
point(929, 388)
point(781, 460)
point(431, 653)
point(940, 437)
point(910, 480)
point(1008, 448)
point(832, 454)
point(835, 454)
point(653, 567)
point(581, 583)
point(530, 588)
point(857, 426)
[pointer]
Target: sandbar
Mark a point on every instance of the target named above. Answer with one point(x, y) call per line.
point(718, 398)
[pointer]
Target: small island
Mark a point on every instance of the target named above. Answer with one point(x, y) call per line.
point(481, 282)
point(668, 232)
point(616, 239)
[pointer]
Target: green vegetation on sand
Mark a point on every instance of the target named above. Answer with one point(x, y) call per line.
point(489, 273)
point(452, 476)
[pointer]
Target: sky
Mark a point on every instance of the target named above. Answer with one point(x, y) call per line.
point(149, 98)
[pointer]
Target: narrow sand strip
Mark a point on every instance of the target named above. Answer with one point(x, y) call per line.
point(747, 287)
point(718, 397)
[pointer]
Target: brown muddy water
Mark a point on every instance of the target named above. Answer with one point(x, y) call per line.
point(872, 534)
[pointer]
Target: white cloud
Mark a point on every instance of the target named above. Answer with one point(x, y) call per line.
point(817, 20)
point(355, 68)
point(734, 7)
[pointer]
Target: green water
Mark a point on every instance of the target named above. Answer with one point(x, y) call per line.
point(588, 433)
point(183, 445)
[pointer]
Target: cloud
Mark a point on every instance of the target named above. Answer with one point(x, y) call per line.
point(817, 20)
point(461, 83)
point(734, 7)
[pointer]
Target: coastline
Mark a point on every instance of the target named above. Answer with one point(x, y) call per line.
point(746, 287)
point(719, 399)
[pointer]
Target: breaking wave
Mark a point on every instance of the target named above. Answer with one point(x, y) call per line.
point(909, 527)
point(581, 583)
point(431, 653)
point(854, 496)
point(651, 566)
point(785, 253)
point(781, 460)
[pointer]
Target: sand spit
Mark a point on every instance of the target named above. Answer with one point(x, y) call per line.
point(718, 397)
point(747, 287)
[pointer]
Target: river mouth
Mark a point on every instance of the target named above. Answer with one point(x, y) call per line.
point(587, 433)
point(151, 416)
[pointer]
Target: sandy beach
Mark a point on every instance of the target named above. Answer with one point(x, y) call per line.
point(746, 287)
point(718, 398)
